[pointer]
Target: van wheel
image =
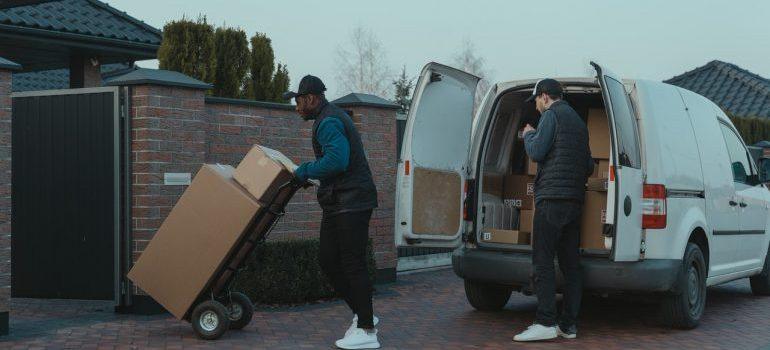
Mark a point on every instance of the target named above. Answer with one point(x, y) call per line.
point(685, 308)
point(486, 296)
point(760, 284)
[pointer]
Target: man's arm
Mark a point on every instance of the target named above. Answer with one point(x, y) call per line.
point(336, 152)
point(537, 143)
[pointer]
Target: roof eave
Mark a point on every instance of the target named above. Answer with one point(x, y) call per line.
point(141, 50)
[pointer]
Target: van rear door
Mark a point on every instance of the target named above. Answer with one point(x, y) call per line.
point(624, 196)
point(434, 159)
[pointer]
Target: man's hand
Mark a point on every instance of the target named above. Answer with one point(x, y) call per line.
point(299, 183)
point(527, 128)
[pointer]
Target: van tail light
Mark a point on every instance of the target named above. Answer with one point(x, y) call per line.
point(406, 168)
point(468, 200)
point(654, 206)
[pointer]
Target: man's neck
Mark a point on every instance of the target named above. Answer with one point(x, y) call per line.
point(549, 104)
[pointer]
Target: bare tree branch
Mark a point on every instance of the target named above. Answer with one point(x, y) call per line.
point(362, 66)
point(467, 60)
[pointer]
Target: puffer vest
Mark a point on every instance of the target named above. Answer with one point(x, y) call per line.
point(563, 173)
point(353, 189)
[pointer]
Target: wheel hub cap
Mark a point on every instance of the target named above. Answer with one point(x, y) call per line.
point(236, 312)
point(694, 289)
point(209, 321)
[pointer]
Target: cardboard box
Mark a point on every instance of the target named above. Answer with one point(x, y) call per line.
point(518, 191)
point(598, 133)
point(195, 240)
point(262, 171)
point(531, 167)
point(505, 236)
point(601, 169)
point(492, 184)
point(526, 219)
point(592, 222)
point(597, 184)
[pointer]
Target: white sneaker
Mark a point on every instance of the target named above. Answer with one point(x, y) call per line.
point(537, 332)
point(354, 325)
point(569, 333)
point(359, 339)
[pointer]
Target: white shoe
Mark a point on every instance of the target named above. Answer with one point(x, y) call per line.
point(359, 339)
point(354, 325)
point(537, 332)
point(570, 333)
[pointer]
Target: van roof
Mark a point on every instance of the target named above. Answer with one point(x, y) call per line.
point(524, 82)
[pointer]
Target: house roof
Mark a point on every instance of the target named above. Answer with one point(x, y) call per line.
point(86, 17)
point(59, 78)
point(359, 99)
point(8, 64)
point(43, 35)
point(736, 90)
point(158, 77)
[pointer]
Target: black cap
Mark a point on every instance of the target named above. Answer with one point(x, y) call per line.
point(308, 85)
point(549, 86)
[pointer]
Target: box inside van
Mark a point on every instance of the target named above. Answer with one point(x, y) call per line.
point(508, 175)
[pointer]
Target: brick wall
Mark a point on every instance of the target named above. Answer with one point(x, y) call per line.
point(168, 135)
point(234, 126)
point(176, 130)
point(5, 198)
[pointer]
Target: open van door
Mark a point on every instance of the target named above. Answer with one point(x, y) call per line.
point(624, 195)
point(434, 159)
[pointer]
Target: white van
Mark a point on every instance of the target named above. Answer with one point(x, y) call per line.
point(685, 208)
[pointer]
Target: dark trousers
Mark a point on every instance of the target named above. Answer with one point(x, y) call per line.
point(557, 233)
point(343, 259)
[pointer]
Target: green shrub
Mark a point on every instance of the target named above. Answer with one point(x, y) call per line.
point(287, 272)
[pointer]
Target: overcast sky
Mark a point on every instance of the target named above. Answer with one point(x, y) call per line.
point(651, 39)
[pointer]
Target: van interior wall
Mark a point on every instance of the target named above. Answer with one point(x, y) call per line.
point(508, 176)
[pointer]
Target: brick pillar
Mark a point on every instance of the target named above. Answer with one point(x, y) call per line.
point(377, 126)
point(6, 78)
point(168, 135)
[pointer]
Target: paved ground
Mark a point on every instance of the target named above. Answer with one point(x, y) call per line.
point(422, 311)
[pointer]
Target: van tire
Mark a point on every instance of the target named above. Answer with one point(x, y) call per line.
point(684, 308)
point(760, 284)
point(486, 296)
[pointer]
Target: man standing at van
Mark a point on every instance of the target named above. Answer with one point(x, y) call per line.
point(560, 147)
point(347, 196)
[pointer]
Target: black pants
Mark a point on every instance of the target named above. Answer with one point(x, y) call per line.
point(343, 259)
point(557, 232)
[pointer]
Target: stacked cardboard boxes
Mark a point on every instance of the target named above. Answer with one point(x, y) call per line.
point(595, 205)
point(206, 226)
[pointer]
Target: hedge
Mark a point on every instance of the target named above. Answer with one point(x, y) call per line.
point(752, 129)
point(287, 272)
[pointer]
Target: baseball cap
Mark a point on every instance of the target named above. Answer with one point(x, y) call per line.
point(308, 85)
point(548, 85)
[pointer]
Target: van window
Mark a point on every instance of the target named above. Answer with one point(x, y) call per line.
point(625, 124)
point(738, 155)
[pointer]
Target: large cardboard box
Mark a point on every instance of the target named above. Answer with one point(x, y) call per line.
point(592, 223)
point(493, 184)
point(196, 238)
point(505, 236)
point(518, 191)
point(526, 220)
point(262, 171)
point(598, 133)
point(601, 169)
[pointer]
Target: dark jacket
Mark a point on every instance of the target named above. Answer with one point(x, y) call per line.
point(341, 165)
point(560, 146)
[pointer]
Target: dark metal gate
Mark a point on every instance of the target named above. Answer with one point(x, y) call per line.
point(66, 184)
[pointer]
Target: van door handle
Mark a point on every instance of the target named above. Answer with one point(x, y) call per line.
point(743, 205)
point(733, 203)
